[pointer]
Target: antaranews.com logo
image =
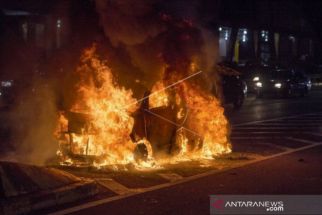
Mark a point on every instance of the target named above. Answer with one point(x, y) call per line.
point(274, 206)
point(266, 204)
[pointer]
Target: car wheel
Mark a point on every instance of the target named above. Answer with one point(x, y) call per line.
point(239, 101)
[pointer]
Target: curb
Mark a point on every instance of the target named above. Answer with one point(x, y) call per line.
point(41, 200)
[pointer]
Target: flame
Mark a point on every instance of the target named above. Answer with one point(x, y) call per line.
point(207, 119)
point(203, 128)
point(99, 124)
point(108, 132)
point(159, 97)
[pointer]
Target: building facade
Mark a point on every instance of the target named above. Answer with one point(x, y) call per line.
point(266, 32)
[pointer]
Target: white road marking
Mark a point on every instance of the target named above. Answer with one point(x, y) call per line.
point(186, 179)
point(315, 134)
point(278, 118)
point(302, 121)
point(114, 186)
point(284, 148)
point(249, 134)
point(271, 103)
point(275, 128)
point(285, 125)
point(285, 121)
point(303, 141)
point(256, 138)
point(264, 143)
point(171, 176)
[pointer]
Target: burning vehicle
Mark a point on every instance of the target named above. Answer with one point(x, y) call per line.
point(109, 126)
point(176, 118)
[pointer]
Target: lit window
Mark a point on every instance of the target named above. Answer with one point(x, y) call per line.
point(264, 35)
point(6, 83)
point(292, 38)
point(224, 32)
point(58, 33)
point(58, 23)
point(242, 34)
point(224, 37)
point(244, 38)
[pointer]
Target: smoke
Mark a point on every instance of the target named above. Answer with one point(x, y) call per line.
point(129, 22)
point(33, 122)
point(156, 33)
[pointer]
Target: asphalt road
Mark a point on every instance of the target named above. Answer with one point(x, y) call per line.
point(298, 173)
point(284, 136)
point(269, 107)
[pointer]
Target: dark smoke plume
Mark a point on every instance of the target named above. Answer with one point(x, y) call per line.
point(155, 33)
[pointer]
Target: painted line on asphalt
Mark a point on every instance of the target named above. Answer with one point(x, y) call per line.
point(257, 132)
point(184, 180)
point(272, 127)
point(296, 120)
point(256, 138)
point(275, 128)
point(271, 103)
point(284, 148)
point(315, 134)
point(262, 126)
point(171, 176)
point(303, 140)
point(273, 119)
point(286, 123)
point(114, 186)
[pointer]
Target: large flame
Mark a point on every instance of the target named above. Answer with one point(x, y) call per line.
point(107, 133)
point(206, 119)
point(159, 97)
point(99, 124)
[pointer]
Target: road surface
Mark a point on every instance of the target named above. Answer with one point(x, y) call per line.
point(277, 150)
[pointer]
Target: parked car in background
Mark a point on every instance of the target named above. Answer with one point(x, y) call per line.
point(250, 73)
point(234, 88)
point(282, 82)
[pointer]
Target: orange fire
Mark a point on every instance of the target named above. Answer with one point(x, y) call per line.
point(159, 96)
point(98, 127)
